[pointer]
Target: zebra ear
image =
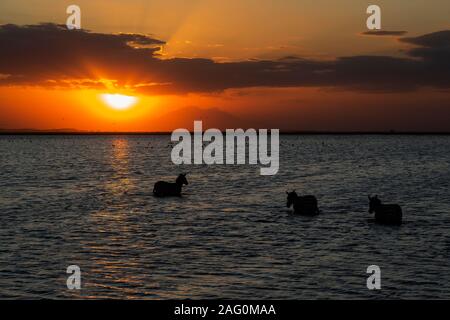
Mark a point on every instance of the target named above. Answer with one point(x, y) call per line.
point(287, 192)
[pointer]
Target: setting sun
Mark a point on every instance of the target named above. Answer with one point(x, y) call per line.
point(118, 101)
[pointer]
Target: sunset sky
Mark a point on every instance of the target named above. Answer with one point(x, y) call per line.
point(141, 65)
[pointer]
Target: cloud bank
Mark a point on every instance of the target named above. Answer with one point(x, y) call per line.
point(49, 55)
point(384, 33)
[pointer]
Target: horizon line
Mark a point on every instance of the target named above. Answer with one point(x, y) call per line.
point(282, 132)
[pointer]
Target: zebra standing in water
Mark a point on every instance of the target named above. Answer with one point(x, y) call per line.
point(167, 189)
point(306, 205)
point(385, 213)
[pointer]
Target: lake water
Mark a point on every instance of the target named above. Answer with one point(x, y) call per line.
point(87, 200)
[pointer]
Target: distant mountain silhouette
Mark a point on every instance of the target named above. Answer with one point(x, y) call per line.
point(31, 130)
point(185, 117)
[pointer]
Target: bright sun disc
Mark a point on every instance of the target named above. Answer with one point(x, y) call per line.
point(118, 101)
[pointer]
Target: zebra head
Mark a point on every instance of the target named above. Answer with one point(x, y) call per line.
point(291, 196)
point(182, 179)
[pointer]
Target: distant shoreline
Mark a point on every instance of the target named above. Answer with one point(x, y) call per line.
point(164, 133)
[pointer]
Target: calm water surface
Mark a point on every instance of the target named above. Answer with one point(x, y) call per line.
point(87, 200)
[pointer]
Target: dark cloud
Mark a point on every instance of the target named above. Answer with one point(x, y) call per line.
point(433, 48)
point(47, 53)
point(384, 33)
point(440, 39)
point(51, 55)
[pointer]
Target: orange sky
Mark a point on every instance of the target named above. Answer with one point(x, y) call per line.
point(293, 95)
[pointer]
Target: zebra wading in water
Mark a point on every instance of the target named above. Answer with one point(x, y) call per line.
point(385, 213)
point(305, 205)
point(168, 189)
